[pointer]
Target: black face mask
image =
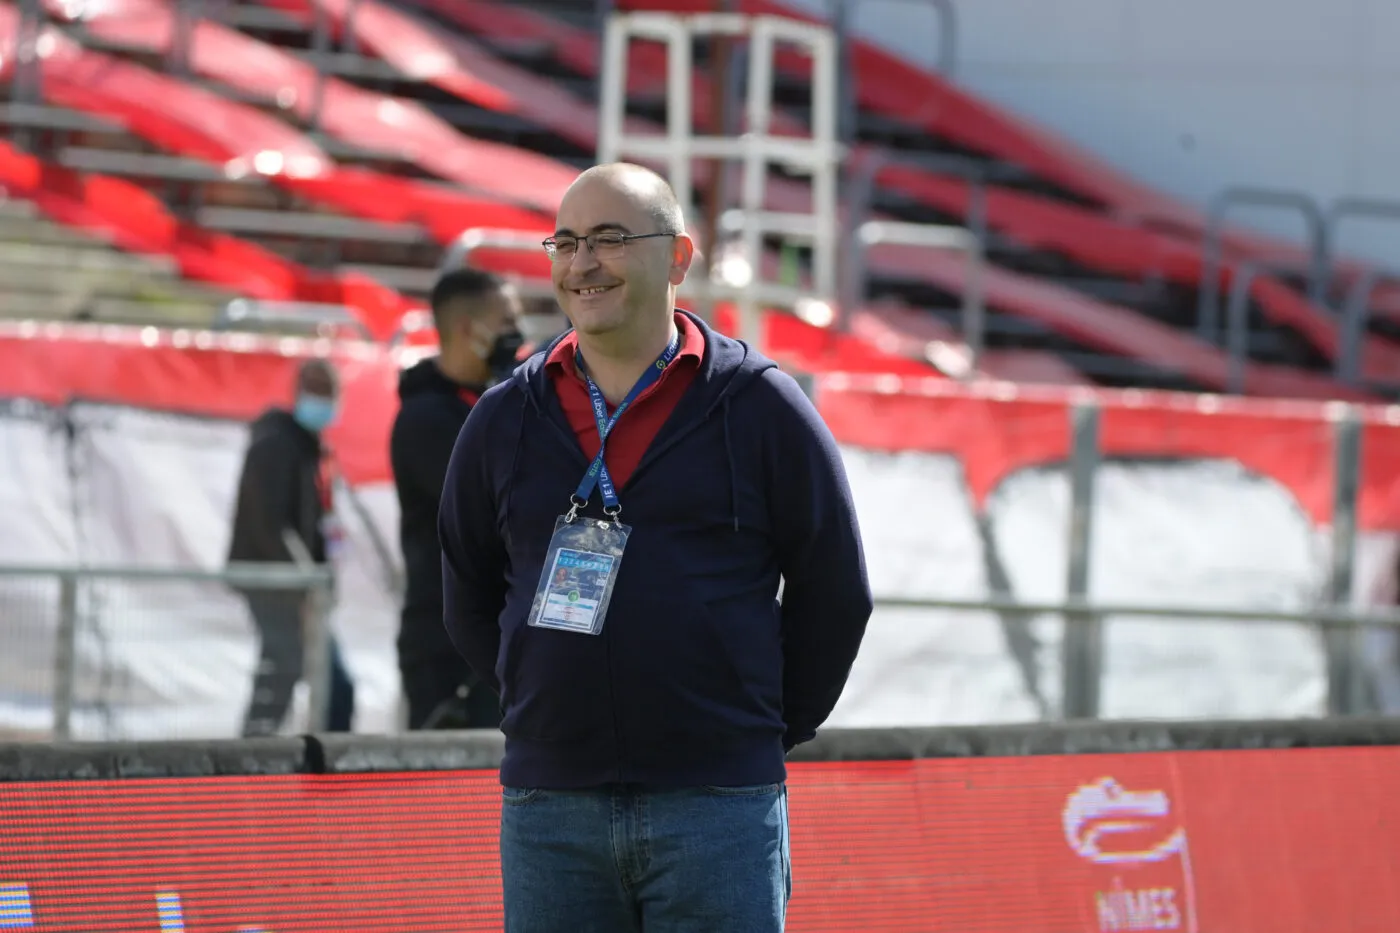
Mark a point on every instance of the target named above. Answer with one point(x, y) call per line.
point(501, 360)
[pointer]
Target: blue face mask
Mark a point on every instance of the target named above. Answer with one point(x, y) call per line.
point(314, 412)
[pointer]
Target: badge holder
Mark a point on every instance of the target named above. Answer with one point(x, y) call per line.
point(585, 554)
point(580, 570)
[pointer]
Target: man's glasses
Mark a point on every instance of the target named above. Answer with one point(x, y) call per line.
point(604, 245)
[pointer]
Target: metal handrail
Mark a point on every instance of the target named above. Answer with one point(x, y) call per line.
point(867, 166)
point(459, 253)
point(412, 322)
point(932, 236)
point(842, 16)
point(27, 79)
point(1080, 611)
point(300, 575)
point(294, 312)
point(269, 576)
point(1374, 208)
point(185, 16)
point(1237, 318)
point(1356, 315)
point(1212, 248)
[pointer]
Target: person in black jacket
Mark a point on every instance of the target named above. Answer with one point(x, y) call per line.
point(475, 315)
point(283, 488)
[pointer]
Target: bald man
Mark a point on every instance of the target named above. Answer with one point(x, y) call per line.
point(623, 597)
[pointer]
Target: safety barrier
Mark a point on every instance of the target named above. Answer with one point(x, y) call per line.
point(1074, 827)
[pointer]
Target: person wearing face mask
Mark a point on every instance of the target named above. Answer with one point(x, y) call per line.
point(285, 488)
point(475, 314)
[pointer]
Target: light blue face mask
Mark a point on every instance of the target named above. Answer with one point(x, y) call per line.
point(314, 412)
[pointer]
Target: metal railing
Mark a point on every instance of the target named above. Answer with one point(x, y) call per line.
point(317, 317)
point(1237, 319)
point(931, 236)
point(1356, 315)
point(1342, 208)
point(818, 155)
point(1212, 248)
point(78, 613)
point(842, 14)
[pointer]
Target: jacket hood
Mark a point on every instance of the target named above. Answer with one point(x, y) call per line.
point(728, 366)
point(275, 421)
point(278, 422)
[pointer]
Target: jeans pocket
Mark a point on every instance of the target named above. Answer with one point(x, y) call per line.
point(519, 796)
point(745, 790)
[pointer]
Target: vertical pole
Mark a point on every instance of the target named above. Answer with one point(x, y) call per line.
point(612, 91)
point(826, 170)
point(350, 38)
point(1344, 683)
point(321, 46)
point(680, 127)
point(860, 187)
point(602, 15)
point(974, 310)
point(1082, 645)
point(841, 24)
point(317, 671)
point(1237, 327)
point(27, 80)
point(65, 657)
point(762, 50)
point(721, 125)
point(186, 17)
point(1355, 312)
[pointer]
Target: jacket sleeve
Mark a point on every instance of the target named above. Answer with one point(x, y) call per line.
point(826, 601)
point(268, 499)
point(473, 554)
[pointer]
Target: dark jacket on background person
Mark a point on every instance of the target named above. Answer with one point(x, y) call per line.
point(280, 487)
point(433, 409)
point(699, 675)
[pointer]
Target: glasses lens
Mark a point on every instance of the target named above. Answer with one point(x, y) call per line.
point(608, 245)
point(561, 247)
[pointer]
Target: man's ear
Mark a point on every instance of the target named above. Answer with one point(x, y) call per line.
point(682, 255)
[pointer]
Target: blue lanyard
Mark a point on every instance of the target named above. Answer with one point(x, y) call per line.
point(597, 474)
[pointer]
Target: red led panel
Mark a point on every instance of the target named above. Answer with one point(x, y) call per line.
point(1296, 841)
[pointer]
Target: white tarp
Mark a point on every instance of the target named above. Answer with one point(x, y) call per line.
point(174, 660)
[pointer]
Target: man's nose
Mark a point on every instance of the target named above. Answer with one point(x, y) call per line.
point(583, 257)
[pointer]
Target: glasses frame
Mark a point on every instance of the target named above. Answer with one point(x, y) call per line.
point(550, 243)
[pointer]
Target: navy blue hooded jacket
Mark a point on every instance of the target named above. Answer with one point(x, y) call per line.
point(700, 675)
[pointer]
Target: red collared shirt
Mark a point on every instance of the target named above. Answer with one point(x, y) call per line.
point(636, 429)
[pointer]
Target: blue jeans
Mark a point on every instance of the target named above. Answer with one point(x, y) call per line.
point(625, 860)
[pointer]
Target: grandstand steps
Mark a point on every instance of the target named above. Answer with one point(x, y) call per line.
point(80, 256)
point(38, 232)
point(1005, 331)
point(345, 61)
point(1269, 341)
point(51, 272)
point(110, 295)
point(260, 213)
point(251, 209)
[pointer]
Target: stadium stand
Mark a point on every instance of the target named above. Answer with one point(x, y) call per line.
point(437, 116)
